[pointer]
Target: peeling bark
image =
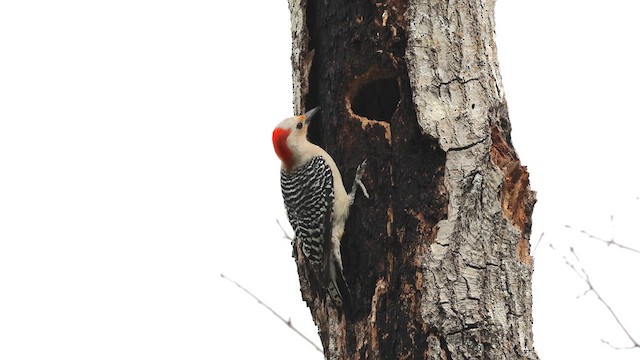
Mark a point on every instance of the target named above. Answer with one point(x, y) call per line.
point(438, 259)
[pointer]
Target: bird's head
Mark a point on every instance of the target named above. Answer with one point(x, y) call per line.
point(290, 136)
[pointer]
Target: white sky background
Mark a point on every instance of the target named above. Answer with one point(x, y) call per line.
point(136, 165)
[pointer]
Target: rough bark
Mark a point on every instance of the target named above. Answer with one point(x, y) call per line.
point(438, 259)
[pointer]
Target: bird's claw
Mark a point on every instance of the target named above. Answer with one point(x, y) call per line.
point(358, 181)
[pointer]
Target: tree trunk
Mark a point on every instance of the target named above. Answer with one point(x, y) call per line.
point(438, 258)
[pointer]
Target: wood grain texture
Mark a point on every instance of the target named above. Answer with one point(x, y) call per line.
point(438, 259)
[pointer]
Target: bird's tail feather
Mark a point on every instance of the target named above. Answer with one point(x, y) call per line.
point(339, 291)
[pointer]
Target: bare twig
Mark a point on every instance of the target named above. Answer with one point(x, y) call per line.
point(634, 346)
point(609, 242)
point(287, 322)
point(284, 232)
point(582, 273)
point(538, 243)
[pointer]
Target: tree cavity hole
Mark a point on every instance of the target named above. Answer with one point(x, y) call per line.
point(376, 99)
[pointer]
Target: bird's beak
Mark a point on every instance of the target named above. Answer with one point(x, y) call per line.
point(309, 114)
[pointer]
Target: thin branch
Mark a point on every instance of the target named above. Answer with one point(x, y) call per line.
point(538, 243)
point(284, 232)
point(609, 242)
point(582, 273)
point(634, 346)
point(287, 322)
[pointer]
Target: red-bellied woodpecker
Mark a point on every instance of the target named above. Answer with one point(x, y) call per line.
point(316, 201)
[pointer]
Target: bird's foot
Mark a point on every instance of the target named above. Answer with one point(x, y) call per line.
point(358, 180)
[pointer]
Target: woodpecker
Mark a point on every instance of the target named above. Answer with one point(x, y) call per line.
point(316, 201)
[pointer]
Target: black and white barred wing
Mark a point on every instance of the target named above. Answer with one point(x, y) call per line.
point(308, 198)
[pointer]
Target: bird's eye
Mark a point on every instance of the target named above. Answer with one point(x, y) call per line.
point(299, 125)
